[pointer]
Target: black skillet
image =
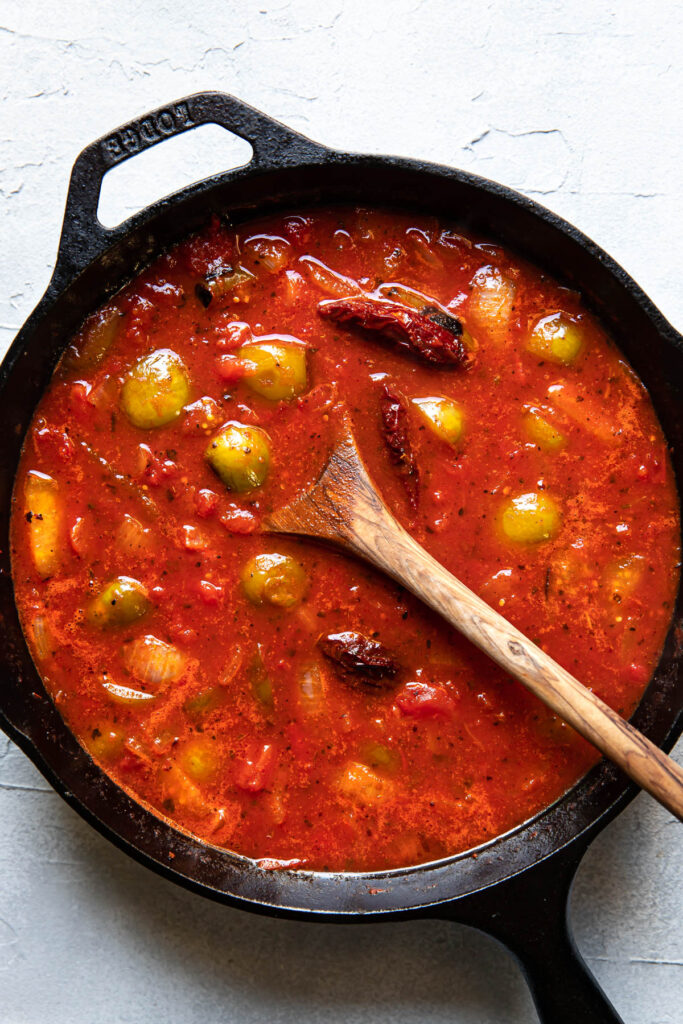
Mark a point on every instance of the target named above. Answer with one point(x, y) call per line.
point(516, 888)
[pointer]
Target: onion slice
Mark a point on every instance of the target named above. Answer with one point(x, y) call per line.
point(332, 283)
point(153, 661)
point(125, 694)
point(42, 637)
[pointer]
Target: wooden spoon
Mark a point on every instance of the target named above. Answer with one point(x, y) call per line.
point(343, 507)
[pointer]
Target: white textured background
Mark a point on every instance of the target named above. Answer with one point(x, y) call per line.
point(575, 103)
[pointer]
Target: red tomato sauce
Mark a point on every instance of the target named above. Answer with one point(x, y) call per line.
point(540, 477)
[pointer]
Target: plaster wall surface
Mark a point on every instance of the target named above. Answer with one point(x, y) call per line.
point(577, 104)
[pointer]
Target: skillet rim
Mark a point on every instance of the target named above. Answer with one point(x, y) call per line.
point(586, 808)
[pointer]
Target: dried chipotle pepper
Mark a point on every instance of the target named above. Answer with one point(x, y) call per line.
point(394, 409)
point(358, 655)
point(429, 333)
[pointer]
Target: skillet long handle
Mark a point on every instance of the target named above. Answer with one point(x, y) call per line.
point(529, 915)
point(563, 988)
point(384, 542)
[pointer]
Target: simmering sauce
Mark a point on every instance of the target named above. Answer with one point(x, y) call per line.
point(273, 696)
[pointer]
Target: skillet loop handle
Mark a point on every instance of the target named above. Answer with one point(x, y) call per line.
point(84, 237)
point(529, 915)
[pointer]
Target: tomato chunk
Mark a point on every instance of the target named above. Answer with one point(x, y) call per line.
point(423, 700)
point(255, 770)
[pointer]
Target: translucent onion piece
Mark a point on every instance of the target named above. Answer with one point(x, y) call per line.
point(397, 292)
point(42, 638)
point(419, 243)
point(94, 340)
point(43, 512)
point(131, 536)
point(293, 285)
point(490, 304)
point(268, 251)
point(363, 786)
point(226, 283)
point(312, 687)
point(152, 661)
point(328, 280)
point(621, 577)
point(541, 430)
point(452, 240)
point(586, 411)
point(125, 694)
point(185, 793)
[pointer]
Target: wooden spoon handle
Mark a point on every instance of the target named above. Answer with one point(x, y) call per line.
point(394, 551)
point(345, 508)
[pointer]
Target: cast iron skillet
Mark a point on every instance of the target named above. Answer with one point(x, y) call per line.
point(516, 888)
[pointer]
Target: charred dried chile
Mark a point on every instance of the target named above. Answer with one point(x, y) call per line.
point(221, 279)
point(394, 409)
point(203, 294)
point(429, 333)
point(359, 656)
